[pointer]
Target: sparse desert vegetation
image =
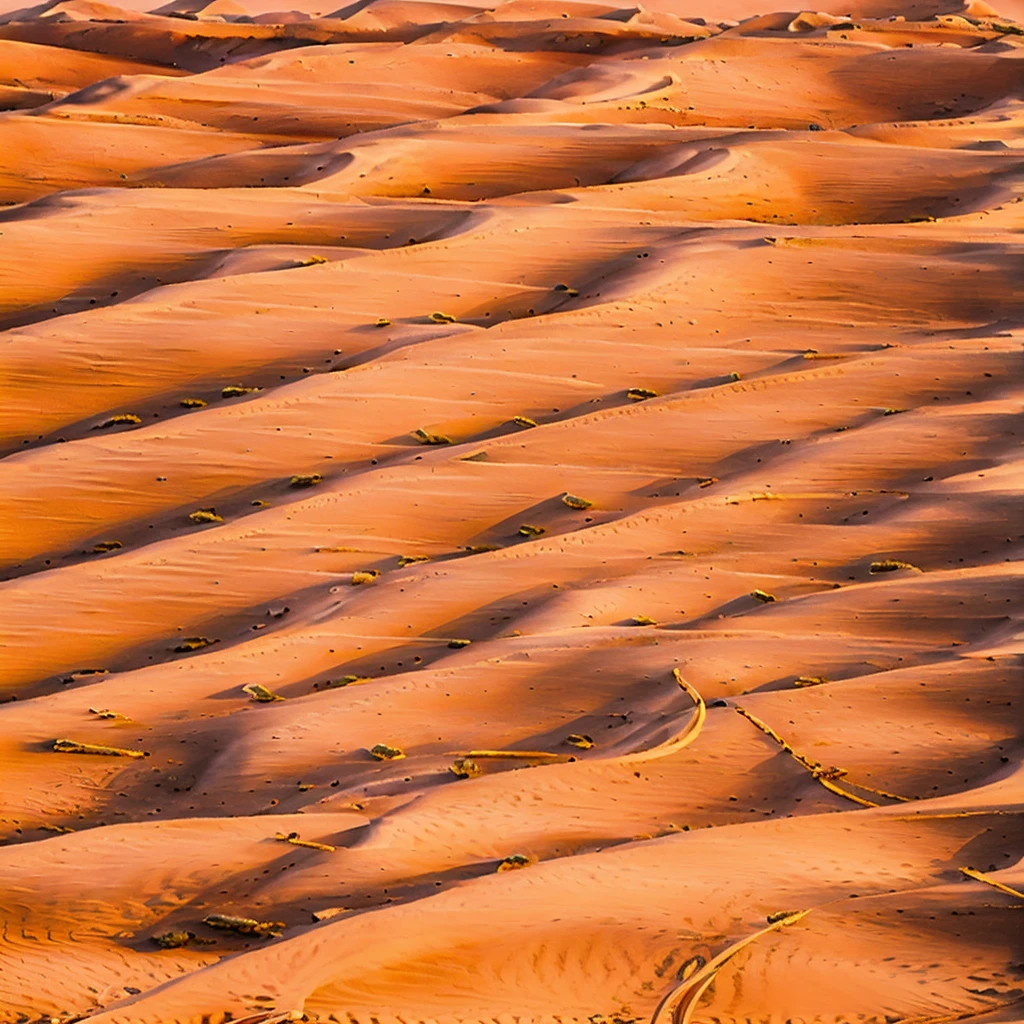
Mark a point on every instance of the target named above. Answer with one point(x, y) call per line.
point(641, 394)
point(102, 749)
point(261, 694)
point(121, 419)
point(580, 740)
point(244, 925)
point(589, 592)
point(891, 565)
point(513, 862)
point(428, 437)
point(405, 560)
point(193, 643)
point(465, 768)
point(386, 752)
point(292, 838)
point(205, 515)
point(530, 530)
point(574, 501)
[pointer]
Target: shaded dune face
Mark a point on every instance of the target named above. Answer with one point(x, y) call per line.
point(506, 507)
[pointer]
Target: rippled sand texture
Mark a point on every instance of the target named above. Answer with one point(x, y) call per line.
point(749, 285)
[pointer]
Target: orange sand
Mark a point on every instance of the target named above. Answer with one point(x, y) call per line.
point(799, 234)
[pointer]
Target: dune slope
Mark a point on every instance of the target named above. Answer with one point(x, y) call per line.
point(511, 513)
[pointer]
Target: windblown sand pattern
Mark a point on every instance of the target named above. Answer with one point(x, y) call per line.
point(506, 507)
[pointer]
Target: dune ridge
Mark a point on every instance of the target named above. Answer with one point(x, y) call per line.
point(511, 514)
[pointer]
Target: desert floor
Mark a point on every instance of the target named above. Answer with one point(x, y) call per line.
point(613, 410)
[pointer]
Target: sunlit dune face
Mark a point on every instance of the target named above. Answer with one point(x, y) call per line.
point(510, 513)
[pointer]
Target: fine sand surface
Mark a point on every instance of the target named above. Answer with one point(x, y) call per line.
point(773, 666)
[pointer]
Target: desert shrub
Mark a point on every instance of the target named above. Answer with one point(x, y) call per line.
point(205, 515)
point(259, 693)
point(385, 752)
point(464, 768)
point(579, 739)
point(120, 419)
point(244, 925)
point(426, 437)
point(513, 862)
point(640, 394)
point(576, 502)
point(74, 747)
point(804, 681)
point(193, 643)
point(405, 560)
point(891, 565)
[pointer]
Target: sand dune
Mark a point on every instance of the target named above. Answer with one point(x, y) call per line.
point(610, 416)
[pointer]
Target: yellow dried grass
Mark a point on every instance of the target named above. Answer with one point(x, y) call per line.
point(980, 876)
point(824, 776)
point(426, 437)
point(259, 693)
point(243, 925)
point(309, 844)
point(74, 747)
point(685, 736)
point(679, 1005)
